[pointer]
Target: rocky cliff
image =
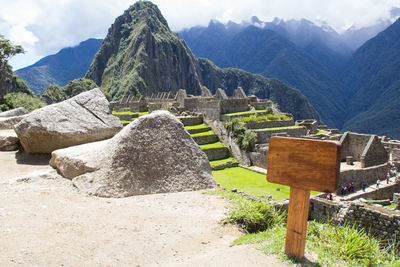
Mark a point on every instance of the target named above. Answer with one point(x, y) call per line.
point(140, 55)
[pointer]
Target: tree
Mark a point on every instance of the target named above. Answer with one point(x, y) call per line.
point(7, 50)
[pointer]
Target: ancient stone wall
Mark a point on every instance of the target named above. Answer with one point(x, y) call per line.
point(259, 159)
point(232, 105)
point(191, 120)
point(375, 220)
point(138, 106)
point(310, 124)
point(353, 144)
point(367, 175)
point(383, 225)
point(384, 192)
point(210, 109)
point(191, 103)
point(216, 153)
point(264, 136)
point(269, 124)
point(374, 153)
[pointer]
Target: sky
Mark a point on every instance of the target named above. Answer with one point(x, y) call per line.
point(43, 27)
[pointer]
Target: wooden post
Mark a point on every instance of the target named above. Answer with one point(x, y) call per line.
point(299, 201)
point(304, 165)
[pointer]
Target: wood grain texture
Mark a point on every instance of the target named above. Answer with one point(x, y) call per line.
point(299, 201)
point(304, 163)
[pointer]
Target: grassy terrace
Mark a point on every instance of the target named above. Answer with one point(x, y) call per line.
point(212, 145)
point(278, 128)
point(321, 132)
point(251, 182)
point(249, 112)
point(130, 113)
point(203, 134)
point(214, 163)
point(200, 126)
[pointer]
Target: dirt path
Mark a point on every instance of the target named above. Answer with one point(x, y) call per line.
point(44, 221)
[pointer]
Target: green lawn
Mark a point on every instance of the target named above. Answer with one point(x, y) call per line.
point(279, 128)
point(250, 182)
point(212, 145)
point(203, 133)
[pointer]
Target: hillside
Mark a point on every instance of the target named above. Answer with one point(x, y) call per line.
point(373, 81)
point(68, 64)
point(265, 52)
point(140, 55)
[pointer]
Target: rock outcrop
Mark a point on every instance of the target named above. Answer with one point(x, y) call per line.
point(8, 140)
point(9, 122)
point(14, 112)
point(153, 154)
point(78, 120)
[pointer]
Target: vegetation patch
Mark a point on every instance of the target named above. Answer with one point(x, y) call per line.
point(29, 102)
point(250, 182)
point(212, 145)
point(203, 134)
point(264, 118)
point(249, 112)
point(199, 126)
point(278, 128)
point(322, 132)
point(223, 163)
point(393, 205)
point(246, 139)
point(130, 113)
point(333, 245)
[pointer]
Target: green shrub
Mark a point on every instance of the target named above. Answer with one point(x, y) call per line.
point(15, 100)
point(346, 242)
point(254, 216)
point(248, 141)
point(235, 127)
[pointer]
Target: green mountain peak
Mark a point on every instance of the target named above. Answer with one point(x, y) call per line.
point(141, 55)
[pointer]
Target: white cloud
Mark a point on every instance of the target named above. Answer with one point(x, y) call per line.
point(43, 27)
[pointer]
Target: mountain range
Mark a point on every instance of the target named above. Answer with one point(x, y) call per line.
point(351, 90)
point(68, 64)
point(141, 55)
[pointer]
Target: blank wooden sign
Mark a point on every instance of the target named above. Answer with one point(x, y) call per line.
point(304, 165)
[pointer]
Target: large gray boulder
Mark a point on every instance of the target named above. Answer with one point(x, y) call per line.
point(81, 119)
point(14, 112)
point(8, 140)
point(153, 154)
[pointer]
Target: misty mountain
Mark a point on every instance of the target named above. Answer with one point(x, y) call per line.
point(141, 55)
point(263, 51)
point(372, 78)
point(66, 65)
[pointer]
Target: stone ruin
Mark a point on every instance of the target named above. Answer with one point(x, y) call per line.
point(212, 106)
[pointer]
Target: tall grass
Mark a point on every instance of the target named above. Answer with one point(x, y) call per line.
point(253, 216)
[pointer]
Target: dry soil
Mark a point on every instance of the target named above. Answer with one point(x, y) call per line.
point(45, 221)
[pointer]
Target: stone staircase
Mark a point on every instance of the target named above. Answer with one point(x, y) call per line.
point(217, 153)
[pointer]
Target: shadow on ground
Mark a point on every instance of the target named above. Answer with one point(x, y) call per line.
point(34, 159)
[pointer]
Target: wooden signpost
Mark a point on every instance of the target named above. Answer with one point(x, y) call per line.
point(304, 165)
